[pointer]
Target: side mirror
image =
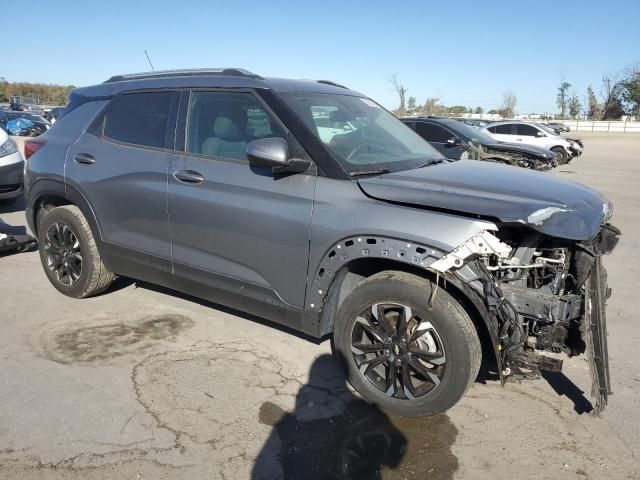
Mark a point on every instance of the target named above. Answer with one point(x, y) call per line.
point(453, 142)
point(274, 153)
point(540, 134)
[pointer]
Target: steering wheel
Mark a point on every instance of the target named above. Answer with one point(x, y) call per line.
point(355, 150)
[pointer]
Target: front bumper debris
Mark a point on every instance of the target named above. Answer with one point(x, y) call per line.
point(595, 335)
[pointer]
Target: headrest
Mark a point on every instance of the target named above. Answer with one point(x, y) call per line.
point(225, 129)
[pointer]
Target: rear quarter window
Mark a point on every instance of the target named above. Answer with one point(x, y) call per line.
point(139, 118)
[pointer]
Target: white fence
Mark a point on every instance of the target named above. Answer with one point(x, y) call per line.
point(602, 126)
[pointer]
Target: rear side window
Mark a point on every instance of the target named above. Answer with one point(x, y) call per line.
point(527, 130)
point(503, 129)
point(433, 133)
point(140, 119)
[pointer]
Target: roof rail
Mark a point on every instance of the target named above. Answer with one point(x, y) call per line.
point(235, 72)
point(329, 82)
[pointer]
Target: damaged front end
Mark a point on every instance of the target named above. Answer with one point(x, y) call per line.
point(518, 157)
point(545, 294)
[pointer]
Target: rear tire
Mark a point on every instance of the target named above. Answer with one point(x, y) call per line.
point(561, 155)
point(442, 361)
point(69, 254)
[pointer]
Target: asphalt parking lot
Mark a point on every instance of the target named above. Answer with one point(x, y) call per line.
point(142, 382)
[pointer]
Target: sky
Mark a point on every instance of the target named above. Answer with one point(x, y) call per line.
point(463, 52)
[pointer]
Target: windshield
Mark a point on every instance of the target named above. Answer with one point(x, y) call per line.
point(473, 134)
point(360, 134)
point(547, 129)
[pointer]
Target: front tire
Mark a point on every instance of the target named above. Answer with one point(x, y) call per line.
point(402, 354)
point(561, 155)
point(69, 254)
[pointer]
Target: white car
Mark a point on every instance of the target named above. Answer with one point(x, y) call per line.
point(531, 133)
point(11, 168)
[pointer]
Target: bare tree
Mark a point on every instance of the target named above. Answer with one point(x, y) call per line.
point(507, 109)
point(611, 92)
point(401, 90)
point(594, 108)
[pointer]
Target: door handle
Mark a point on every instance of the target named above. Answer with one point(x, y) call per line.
point(188, 176)
point(84, 159)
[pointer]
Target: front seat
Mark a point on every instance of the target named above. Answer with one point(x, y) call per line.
point(228, 138)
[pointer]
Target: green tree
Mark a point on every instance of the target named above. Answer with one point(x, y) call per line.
point(574, 105)
point(457, 110)
point(631, 90)
point(479, 110)
point(562, 99)
point(411, 105)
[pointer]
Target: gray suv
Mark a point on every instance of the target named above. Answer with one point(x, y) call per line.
point(308, 204)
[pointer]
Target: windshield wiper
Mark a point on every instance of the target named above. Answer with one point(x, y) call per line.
point(377, 171)
point(433, 161)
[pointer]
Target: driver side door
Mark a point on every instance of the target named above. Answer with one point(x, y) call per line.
point(444, 140)
point(237, 229)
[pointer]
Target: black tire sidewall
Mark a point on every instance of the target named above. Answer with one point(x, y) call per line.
point(448, 318)
point(64, 216)
point(562, 156)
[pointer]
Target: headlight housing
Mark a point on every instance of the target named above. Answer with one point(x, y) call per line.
point(8, 147)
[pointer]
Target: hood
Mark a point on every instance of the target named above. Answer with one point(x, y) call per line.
point(520, 147)
point(544, 202)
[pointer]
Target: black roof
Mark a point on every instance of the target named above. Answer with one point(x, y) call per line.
point(233, 72)
point(207, 77)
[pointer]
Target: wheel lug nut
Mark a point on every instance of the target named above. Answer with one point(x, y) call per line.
point(408, 354)
point(386, 352)
point(398, 362)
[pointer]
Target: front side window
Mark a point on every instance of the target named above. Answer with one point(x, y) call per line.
point(359, 134)
point(221, 124)
point(526, 130)
point(433, 133)
point(140, 119)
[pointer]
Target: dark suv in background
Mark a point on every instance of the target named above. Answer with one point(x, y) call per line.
point(308, 204)
point(456, 140)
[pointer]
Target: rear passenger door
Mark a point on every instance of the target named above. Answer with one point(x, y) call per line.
point(235, 227)
point(443, 139)
point(120, 166)
point(504, 132)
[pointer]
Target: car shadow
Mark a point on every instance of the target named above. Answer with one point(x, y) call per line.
point(563, 386)
point(333, 434)
point(330, 434)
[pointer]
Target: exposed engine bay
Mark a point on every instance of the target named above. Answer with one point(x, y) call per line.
point(547, 294)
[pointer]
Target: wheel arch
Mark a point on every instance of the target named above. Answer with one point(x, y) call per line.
point(48, 193)
point(346, 271)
